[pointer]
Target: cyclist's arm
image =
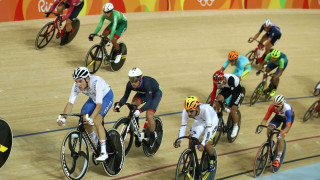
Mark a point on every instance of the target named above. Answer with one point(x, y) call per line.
point(126, 94)
point(68, 109)
point(225, 65)
point(210, 117)
point(114, 26)
point(214, 92)
point(184, 123)
point(54, 5)
point(100, 24)
point(268, 114)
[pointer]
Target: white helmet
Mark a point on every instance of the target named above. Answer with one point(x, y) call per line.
point(81, 73)
point(107, 7)
point(135, 74)
point(279, 100)
point(267, 23)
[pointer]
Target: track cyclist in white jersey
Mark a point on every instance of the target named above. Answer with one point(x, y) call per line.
point(206, 120)
point(97, 106)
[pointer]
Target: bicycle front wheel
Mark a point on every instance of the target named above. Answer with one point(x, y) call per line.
point(94, 58)
point(312, 109)
point(45, 35)
point(275, 169)
point(159, 130)
point(261, 160)
point(205, 164)
point(115, 149)
point(126, 131)
point(186, 167)
point(74, 155)
point(251, 56)
point(316, 92)
point(257, 93)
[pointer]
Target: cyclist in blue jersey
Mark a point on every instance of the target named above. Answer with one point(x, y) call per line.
point(148, 92)
point(272, 35)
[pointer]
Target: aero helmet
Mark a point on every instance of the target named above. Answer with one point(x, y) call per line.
point(275, 53)
point(267, 23)
point(107, 7)
point(81, 73)
point(191, 102)
point(233, 55)
point(135, 74)
point(279, 100)
point(218, 76)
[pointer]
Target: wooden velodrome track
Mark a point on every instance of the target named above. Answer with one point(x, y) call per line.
point(181, 50)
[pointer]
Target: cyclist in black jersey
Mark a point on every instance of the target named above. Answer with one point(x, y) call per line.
point(148, 92)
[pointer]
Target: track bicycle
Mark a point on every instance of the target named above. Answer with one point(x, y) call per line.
point(262, 90)
point(5, 141)
point(313, 109)
point(98, 53)
point(316, 92)
point(267, 154)
point(189, 167)
point(226, 128)
point(129, 129)
point(75, 151)
point(47, 32)
point(254, 54)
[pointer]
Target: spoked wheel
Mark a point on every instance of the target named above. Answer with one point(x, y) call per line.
point(117, 66)
point(261, 160)
point(205, 174)
point(230, 127)
point(126, 131)
point(312, 109)
point(116, 153)
point(75, 25)
point(257, 93)
point(208, 99)
point(251, 56)
point(159, 130)
point(45, 35)
point(94, 58)
point(275, 169)
point(74, 155)
point(316, 92)
point(186, 167)
point(216, 138)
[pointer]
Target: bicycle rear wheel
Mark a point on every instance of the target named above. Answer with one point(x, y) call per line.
point(275, 150)
point(261, 160)
point(115, 149)
point(74, 155)
point(45, 35)
point(94, 58)
point(257, 93)
point(312, 109)
point(205, 159)
point(230, 127)
point(116, 66)
point(126, 131)
point(159, 130)
point(251, 56)
point(75, 25)
point(186, 167)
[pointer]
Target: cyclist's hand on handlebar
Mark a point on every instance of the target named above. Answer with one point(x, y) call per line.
point(259, 131)
point(201, 148)
point(258, 72)
point(89, 120)
point(91, 36)
point(47, 14)
point(61, 121)
point(250, 40)
point(137, 113)
point(116, 107)
point(177, 144)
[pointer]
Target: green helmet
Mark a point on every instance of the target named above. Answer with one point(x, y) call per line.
point(275, 53)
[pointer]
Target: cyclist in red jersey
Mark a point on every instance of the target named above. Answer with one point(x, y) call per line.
point(285, 115)
point(74, 7)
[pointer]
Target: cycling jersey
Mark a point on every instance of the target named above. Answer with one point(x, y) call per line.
point(242, 64)
point(72, 5)
point(116, 18)
point(286, 113)
point(98, 88)
point(206, 121)
point(149, 91)
point(274, 31)
point(281, 61)
point(232, 82)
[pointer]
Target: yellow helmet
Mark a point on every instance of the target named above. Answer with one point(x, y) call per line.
point(191, 102)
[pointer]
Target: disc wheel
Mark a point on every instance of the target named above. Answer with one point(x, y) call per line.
point(159, 130)
point(117, 66)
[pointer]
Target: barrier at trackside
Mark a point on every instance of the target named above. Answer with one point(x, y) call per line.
point(17, 10)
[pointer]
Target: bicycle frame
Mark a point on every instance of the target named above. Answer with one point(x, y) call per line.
point(58, 25)
point(273, 131)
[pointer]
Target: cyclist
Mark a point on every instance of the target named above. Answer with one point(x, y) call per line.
point(148, 92)
point(242, 66)
point(206, 121)
point(274, 59)
point(74, 7)
point(285, 115)
point(316, 91)
point(97, 106)
point(230, 85)
point(272, 35)
point(116, 28)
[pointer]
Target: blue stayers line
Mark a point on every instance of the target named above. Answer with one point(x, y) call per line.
point(44, 132)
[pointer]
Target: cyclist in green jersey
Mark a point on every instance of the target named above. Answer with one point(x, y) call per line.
point(115, 29)
point(275, 59)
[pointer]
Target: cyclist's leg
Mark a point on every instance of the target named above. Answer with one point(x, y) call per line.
point(209, 148)
point(119, 31)
point(234, 103)
point(246, 72)
point(61, 7)
point(262, 40)
point(224, 93)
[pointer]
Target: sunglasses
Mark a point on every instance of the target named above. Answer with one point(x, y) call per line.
point(190, 111)
point(134, 79)
point(277, 106)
